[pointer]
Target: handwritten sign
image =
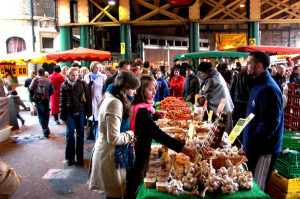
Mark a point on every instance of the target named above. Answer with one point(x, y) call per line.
point(191, 131)
point(221, 105)
point(210, 116)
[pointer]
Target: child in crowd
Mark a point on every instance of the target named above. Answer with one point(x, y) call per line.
point(17, 102)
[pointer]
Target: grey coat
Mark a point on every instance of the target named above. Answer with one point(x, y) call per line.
point(215, 89)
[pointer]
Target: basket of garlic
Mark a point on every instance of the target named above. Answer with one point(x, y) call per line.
point(219, 156)
point(228, 178)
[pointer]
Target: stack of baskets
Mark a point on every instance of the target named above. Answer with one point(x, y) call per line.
point(292, 110)
point(286, 183)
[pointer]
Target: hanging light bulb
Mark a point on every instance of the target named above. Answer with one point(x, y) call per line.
point(111, 2)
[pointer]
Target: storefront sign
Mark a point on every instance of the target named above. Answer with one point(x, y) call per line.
point(15, 70)
point(225, 41)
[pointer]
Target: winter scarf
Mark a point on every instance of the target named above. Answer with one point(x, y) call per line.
point(135, 108)
point(124, 154)
point(94, 76)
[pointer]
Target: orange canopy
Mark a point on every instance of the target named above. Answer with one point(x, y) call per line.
point(80, 54)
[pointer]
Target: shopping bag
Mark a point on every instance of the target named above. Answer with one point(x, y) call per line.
point(10, 180)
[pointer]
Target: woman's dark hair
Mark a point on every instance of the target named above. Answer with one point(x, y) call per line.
point(13, 92)
point(145, 81)
point(57, 68)
point(126, 80)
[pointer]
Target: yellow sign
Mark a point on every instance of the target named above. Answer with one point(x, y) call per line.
point(225, 41)
point(15, 70)
point(252, 42)
point(210, 115)
point(191, 131)
point(122, 48)
point(240, 125)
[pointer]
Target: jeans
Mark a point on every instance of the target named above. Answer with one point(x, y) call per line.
point(20, 117)
point(43, 113)
point(72, 123)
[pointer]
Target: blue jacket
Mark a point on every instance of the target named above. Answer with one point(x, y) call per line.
point(162, 90)
point(263, 135)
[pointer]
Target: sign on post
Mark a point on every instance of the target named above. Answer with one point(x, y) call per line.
point(122, 48)
point(252, 42)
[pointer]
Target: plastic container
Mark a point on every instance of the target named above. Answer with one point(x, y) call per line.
point(288, 165)
point(5, 133)
point(276, 192)
point(284, 184)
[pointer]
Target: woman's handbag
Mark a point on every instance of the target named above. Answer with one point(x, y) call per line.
point(82, 99)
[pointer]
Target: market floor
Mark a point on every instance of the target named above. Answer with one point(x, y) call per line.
point(42, 164)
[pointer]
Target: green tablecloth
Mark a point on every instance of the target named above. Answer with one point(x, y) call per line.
point(151, 193)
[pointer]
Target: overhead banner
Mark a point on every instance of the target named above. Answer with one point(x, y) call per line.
point(225, 41)
point(15, 70)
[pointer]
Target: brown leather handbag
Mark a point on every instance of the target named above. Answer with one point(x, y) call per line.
point(82, 99)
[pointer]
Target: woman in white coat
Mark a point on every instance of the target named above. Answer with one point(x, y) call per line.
point(95, 80)
point(113, 154)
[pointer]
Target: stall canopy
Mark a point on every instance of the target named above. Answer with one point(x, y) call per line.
point(210, 54)
point(271, 50)
point(25, 57)
point(80, 54)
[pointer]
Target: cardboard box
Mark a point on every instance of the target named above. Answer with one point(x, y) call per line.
point(5, 133)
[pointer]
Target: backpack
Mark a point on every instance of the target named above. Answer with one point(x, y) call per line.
point(39, 94)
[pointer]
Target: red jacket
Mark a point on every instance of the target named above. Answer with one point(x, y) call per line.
point(177, 86)
point(57, 80)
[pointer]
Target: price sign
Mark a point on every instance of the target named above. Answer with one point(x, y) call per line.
point(221, 105)
point(210, 115)
point(204, 108)
point(240, 125)
point(236, 130)
point(191, 131)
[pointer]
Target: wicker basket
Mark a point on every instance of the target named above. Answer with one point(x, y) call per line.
point(219, 161)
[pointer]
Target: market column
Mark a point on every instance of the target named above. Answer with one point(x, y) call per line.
point(83, 17)
point(194, 17)
point(64, 18)
point(84, 41)
point(65, 41)
point(253, 14)
point(125, 29)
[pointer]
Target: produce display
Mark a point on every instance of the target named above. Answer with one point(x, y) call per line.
point(218, 167)
point(173, 103)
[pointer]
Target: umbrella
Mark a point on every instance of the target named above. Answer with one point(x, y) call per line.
point(271, 50)
point(25, 57)
point(79, 54)
point(210, 54)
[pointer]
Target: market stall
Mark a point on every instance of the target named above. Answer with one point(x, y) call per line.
point(210, 54)
point(217, 171)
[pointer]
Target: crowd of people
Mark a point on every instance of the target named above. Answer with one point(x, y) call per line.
point(117, 105)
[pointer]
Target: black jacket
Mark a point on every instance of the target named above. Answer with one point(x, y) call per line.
point(294, 77)
point(70, 99)
point(279, 80)
point(194, 88)
point(241, 87)
point(146, 130)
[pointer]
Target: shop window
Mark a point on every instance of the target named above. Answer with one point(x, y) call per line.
point(15, 44)
point(47, 42)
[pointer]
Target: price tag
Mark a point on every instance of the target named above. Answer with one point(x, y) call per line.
point(204, 108)
point(221, 105)
point(249, 118)
point(191, 131)
point(210, 115)
point(236, 130)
